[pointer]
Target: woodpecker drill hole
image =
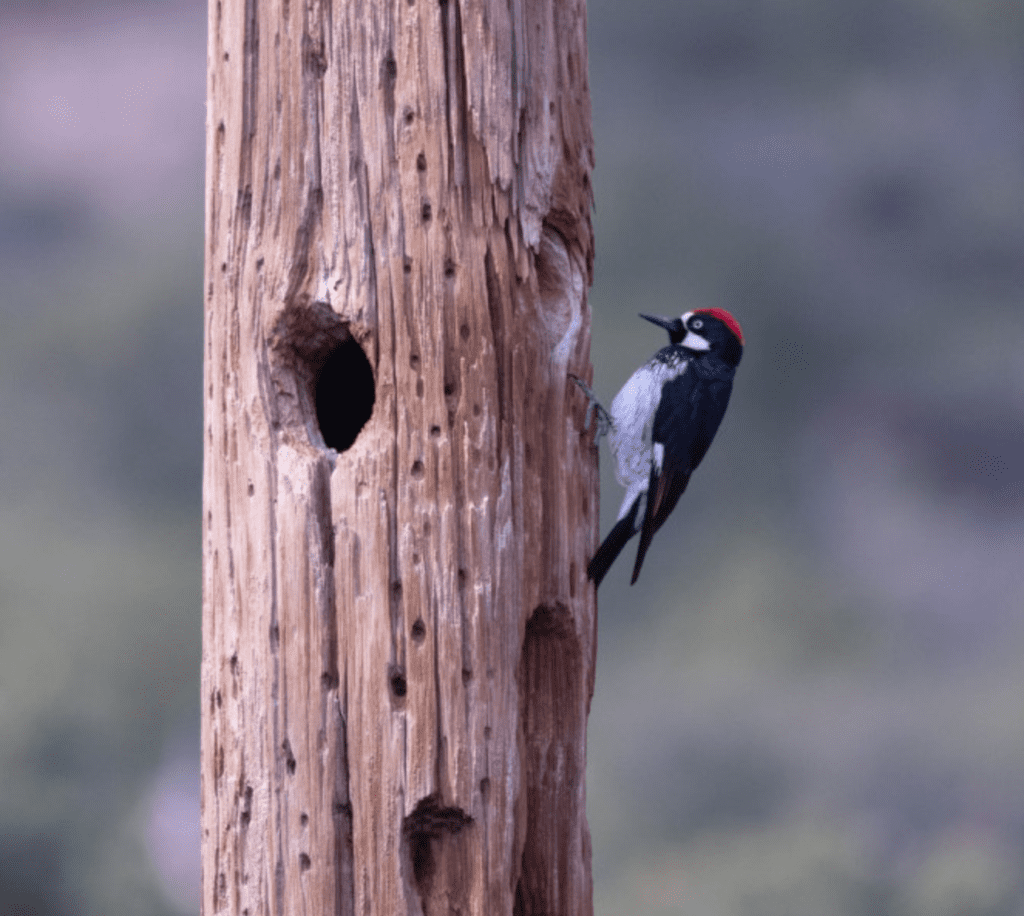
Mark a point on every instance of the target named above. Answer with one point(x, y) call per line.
point(419, 631)
point(396, 679)
point(344, 395)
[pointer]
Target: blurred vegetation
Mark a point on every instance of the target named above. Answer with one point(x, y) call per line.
point(100, 369)
point(810, 703)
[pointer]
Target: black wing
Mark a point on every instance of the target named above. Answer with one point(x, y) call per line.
point(686, 421)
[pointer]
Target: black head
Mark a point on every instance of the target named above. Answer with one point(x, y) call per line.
point(705, 330)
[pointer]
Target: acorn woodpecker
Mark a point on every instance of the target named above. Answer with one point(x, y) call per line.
point(662, 423)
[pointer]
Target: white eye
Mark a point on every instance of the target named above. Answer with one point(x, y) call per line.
point(696, 324)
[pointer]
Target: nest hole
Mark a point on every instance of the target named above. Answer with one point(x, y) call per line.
point(344, 395)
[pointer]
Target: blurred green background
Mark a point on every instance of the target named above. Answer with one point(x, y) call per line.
point(812, 703)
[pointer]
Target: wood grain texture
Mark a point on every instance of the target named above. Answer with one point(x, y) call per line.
point(398, 640)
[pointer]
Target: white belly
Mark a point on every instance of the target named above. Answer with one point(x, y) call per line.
point(632, 422)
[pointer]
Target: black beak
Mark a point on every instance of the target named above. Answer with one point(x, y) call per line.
point(669, 324)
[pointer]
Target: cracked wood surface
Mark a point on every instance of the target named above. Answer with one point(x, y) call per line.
point(398, 641)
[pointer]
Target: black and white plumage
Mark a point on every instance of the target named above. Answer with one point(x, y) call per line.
point(662, 423)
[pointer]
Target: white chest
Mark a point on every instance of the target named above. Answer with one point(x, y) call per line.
point(633, 418)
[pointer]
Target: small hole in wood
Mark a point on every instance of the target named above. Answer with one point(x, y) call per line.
point(344, 395)
point(427, 212)
point(419, 631)
point(398, 683)
point(421, 162)
point(246, 814)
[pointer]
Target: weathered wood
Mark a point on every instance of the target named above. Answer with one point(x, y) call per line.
point(398, 640)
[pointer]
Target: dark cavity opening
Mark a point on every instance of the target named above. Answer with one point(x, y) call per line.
point(438, 850)
point(344, 395)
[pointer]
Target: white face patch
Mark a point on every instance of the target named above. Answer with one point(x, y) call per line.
point(659, 456)
point(695, 342)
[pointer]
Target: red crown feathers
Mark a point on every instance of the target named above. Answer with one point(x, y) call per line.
point(722, 315)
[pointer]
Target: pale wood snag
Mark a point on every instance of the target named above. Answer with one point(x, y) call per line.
point(398, 632)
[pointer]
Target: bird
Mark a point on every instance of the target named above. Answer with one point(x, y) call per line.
point(662, 422)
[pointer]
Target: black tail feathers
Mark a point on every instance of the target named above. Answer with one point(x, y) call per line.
point(612, 545)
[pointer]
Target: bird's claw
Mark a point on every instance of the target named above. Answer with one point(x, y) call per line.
point(603, 420)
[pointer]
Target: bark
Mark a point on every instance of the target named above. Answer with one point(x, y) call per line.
point(398, 639)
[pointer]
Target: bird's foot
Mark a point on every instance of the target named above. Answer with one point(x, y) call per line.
point(603, 420)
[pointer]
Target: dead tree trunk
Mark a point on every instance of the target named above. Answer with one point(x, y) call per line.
point(398, 632)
